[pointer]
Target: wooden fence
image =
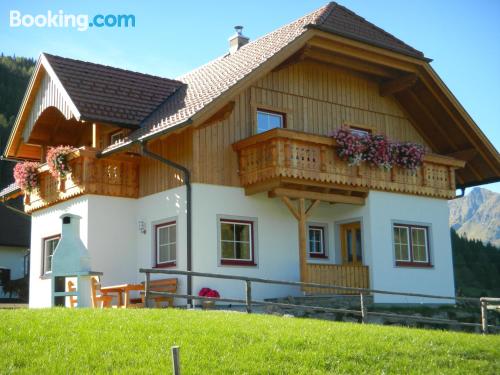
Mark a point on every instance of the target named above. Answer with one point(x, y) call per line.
point(484, 302)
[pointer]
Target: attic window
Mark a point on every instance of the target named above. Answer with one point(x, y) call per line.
point(116, 137)
point(267, 120)
point(360, 131)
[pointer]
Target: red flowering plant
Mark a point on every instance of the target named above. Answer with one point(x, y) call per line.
point(57, 160)
point(26, 176)
point(378, 151)
point(207, 292)
point(350, 146)
point(409, 155)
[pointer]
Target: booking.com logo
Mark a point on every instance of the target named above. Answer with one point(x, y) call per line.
point(82, 22)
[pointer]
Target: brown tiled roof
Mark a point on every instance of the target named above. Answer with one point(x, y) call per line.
point(112, 95)
point(205, 84)
point(342, 21)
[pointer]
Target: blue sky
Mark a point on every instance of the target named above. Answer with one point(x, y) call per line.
point(173, 37)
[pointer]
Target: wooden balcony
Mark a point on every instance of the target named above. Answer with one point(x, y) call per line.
point(277, 159)
point(116, 176)
point(354, 276)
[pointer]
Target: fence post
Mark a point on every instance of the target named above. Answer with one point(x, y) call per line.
point(364, 310)
point(176, 360)
point(248, 288)
point(147, 285)
point(484, 315)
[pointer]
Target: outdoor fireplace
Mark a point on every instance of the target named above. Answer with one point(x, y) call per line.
point(71, 261)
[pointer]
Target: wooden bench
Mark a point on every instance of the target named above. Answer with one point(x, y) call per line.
point(161, 285)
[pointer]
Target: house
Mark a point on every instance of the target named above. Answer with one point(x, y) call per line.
point(14, 246)
point(231, 168)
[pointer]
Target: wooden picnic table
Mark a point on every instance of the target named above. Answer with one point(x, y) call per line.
point(122, 290)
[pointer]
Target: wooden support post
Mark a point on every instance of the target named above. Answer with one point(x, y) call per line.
point(484, 316)
point(176, 365)
point(364, 309)
point(303, 239)
point(95, 136)
point(147, 286)
point(248, 287)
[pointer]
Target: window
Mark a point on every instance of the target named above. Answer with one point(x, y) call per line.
point(267, 120)
point(359, 131)
point(49, 245)
point(116, 137)
point(166, 244)
point(411, 245)
point(236, 242)
point(317, 248)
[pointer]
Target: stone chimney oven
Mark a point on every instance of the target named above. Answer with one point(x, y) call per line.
point(238, 40)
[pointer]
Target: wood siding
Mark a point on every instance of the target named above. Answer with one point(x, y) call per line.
point(337, 274)
point(316, 99)
point(155, 176)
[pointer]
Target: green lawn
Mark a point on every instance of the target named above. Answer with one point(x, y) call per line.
point(64, 341)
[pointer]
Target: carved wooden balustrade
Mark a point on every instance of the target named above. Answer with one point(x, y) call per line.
point(116, 176)
point(291, 155)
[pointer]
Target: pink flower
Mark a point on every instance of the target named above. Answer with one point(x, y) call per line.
point(26, 176)
point(207, 292)
point(57, 160)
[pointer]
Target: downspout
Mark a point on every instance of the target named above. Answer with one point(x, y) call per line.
point(187, 180)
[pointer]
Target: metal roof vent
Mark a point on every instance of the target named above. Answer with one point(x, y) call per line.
point(238, 40)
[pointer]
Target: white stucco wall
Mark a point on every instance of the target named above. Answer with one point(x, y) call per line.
point(12, 258)
point(110, 229)
point(386, 208)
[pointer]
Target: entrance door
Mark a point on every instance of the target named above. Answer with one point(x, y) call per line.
point(350, 238)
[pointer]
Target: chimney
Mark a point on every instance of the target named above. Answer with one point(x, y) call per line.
point(238, 40)
point(70, 255)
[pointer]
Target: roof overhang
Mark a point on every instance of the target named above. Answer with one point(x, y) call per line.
point(44, 90)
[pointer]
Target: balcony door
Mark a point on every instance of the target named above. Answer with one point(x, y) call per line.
point(351, 244)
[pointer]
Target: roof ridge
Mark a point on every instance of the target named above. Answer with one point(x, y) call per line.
point(372, 25)
point(109, 67)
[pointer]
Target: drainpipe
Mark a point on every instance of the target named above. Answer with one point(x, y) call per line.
point(187, 181)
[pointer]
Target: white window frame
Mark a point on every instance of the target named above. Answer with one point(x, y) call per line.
point(411, 260)
point(270, 113)
point(45, 258)
point(407, 228)
point(158, 227)
point(426, 244)
point(252, 223)
point(324, 237)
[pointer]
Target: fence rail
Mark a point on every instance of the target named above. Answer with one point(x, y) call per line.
point(248, 302)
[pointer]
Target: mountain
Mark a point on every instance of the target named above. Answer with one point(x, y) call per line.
point(477, 216)
point(15, 73)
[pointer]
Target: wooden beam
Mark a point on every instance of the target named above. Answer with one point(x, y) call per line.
point(466, 155)
point(291, 207)
point(331, 58)
point(399, 84)
point(326, 185)
point(313, 205)
point(262, 186)
point(302, 239)
point(304, 194)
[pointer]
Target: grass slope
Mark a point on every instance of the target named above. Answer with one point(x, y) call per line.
point(138, 341)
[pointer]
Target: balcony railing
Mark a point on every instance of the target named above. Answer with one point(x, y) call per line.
point(116, 176)
point(353, 276)
point(300, 157)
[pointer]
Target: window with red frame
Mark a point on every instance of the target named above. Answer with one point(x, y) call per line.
point(236, 242)
point(166, 244)
point(317, 242)
point(49, 244)
point(411, 245)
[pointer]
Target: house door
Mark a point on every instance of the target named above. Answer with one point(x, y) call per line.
point(352, 248)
